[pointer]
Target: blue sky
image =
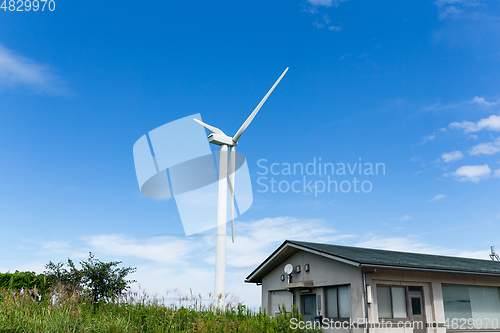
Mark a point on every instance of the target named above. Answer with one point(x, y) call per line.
point(411, 84)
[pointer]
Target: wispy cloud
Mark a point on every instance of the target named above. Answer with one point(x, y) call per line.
point(492, 123)
point(55, 246)
point(169, 250)
point(335, 28)
point(413, 244)
point(453, 8)
point(261, 236)
point(453, 156)
point(181, 263)
point(481, 101)
point(471, 173)
point(324, 21)
point(428, 138)
point(467, 104)
point(326, 3)
point(439, 197)
point(417, 158)
point(17, 71)
point(489, 148)
point(405, 244)
point(403, 218)
point(432, 137)
point(187, 262)
point(318, 25)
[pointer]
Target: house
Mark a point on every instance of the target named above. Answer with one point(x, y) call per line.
point(344, 288)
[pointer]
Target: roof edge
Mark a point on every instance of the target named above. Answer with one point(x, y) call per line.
point(262, 264)
point(406, 268)
point(289, 243)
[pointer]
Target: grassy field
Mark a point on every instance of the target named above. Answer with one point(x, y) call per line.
point(69, 312)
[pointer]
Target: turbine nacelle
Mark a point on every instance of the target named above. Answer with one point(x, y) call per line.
point(221, 139)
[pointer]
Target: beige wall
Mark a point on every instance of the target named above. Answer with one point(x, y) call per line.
point(328, 272)
point(323, 272)
point(432, 292)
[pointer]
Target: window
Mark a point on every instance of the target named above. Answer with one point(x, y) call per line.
point(479, 304)
point(391, 302)
point(337, 302)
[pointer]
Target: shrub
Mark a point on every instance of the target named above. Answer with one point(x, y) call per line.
point(102, 281)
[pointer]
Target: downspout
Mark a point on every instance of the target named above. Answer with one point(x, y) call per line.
point(367, 324)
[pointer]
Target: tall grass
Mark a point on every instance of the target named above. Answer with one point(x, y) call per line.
point(65, 310)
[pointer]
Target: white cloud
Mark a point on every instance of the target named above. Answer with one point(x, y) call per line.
point(414, 245)
point(439, 197)
point(428, 138)
point(448, 8)
point(497, 174)
point(481, 101)
point(168, 250)
point(263, 235)
point(405, 244)
point(453, 156)
point(178, 264)
point(403, 218)
point(472, 173)
point(55, 246)
point(489, 148)
point(18, 71)
point(492, 123)
point(188, 262)
point(482, 254)
point(432, 136)
point(468, 126)
point(326, 3)
point(34, 266)
point(325, 23)
point(318, 25)
point(260, 236)
point(326, 20)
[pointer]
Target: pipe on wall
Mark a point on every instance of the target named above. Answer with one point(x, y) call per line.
point(366, 300)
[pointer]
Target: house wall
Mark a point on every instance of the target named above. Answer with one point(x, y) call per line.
point(323, 272)
point(328, 272)
point(432, 292)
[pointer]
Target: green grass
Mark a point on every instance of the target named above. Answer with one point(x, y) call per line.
point(71, 312)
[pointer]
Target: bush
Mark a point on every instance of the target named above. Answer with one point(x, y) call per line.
point(102, 281)
point(23, 281)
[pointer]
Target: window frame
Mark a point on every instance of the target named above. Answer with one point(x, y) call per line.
point(338, 318)
point(408, 308)
point(483, 329)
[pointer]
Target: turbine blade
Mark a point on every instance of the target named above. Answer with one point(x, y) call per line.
point(208, 127)
point(231, 178)
point(252, 115)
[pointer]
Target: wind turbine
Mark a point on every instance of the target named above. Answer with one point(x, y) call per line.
point(219, 138)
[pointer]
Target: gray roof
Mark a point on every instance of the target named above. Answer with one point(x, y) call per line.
point(373, 258)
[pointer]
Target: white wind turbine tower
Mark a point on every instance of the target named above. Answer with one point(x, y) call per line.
point(221, 139)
